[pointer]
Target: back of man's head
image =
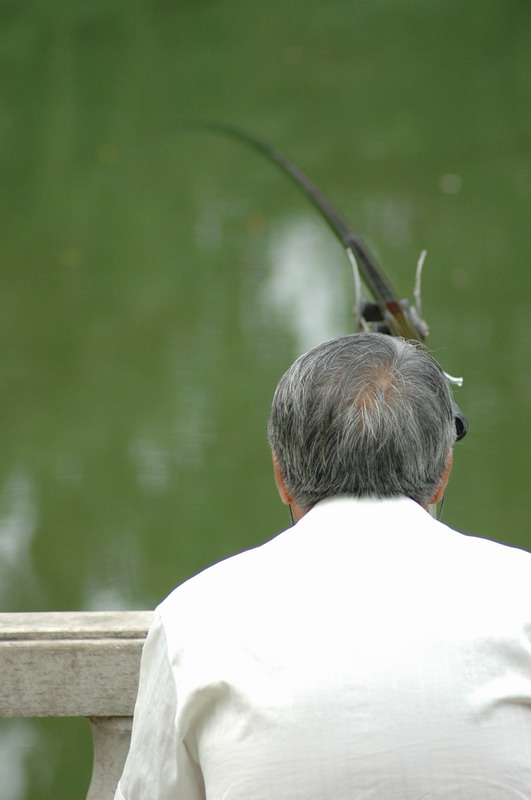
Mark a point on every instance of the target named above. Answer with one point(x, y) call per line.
point(362, 415)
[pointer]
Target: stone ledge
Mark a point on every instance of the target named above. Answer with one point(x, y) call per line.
point(70, 663)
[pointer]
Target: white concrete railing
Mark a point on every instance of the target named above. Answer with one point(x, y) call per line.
point(76, 664)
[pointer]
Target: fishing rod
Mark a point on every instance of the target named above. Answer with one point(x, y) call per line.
point(387, 314)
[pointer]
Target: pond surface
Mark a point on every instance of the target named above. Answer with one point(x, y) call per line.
point(157, 281)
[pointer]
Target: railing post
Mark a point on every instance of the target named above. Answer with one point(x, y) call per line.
point(111, 737)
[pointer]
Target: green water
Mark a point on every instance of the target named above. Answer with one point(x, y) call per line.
point(156, 282)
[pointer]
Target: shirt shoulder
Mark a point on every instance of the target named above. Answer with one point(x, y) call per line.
point(220, 591)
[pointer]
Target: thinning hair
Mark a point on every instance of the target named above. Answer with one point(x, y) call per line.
point(363, 415)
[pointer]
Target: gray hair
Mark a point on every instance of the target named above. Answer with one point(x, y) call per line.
point(364, 415)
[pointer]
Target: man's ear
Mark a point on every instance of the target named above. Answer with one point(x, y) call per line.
point(444, 480)
point(279, 480)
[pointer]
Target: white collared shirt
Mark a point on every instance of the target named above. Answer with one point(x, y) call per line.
point(367, 653)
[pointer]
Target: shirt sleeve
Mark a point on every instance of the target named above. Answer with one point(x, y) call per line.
point(158, 764)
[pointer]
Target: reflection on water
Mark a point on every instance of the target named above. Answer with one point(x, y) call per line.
point(152, 462)
point(18, 524)
point(105, 598)
point(110, 588)
point(451, 184)
point(193, 426)
point(390, 219)
point(305, 289)
point(17, 738)
point(208, 228)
